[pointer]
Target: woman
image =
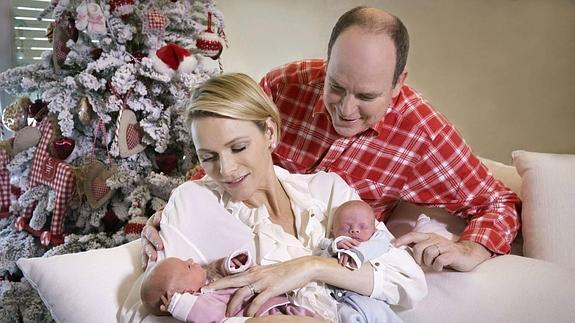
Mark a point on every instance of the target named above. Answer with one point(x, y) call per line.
point(234, 127)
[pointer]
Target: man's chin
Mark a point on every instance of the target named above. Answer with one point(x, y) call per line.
point(347, 131)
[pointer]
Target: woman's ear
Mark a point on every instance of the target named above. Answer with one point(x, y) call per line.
point(271, 132)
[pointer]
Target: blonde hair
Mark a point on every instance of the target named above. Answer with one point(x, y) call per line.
point(235, 96)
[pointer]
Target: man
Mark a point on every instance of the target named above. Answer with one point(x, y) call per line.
point(353, 115)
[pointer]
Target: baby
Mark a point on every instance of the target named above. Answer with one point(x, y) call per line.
point(174, 286)
point(356, 240)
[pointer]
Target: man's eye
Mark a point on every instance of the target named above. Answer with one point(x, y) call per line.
point(336, 88)
point(366, 97)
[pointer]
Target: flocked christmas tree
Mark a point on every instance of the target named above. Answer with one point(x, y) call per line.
point(102, 141)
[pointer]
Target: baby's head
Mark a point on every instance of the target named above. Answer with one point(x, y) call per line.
point(169, 276)
point(354, 219)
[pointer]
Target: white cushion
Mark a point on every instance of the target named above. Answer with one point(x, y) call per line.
point(502, 289)
point(91, 286)
point(85, 287)
point(548, 217)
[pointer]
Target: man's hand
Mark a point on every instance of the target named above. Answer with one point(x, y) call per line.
point(150, 238)
point(438, 252)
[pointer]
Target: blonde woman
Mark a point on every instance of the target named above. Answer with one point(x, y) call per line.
point(234, 128)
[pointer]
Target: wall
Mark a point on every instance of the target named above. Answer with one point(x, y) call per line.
point(503, 71)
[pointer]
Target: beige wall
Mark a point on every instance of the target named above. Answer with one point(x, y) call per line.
point(503, 71)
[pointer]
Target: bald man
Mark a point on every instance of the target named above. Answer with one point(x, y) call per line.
point(353, 114)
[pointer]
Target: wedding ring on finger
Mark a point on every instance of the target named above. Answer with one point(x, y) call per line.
point(252, 290)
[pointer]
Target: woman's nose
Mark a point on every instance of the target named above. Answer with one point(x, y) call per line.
point(227, 165)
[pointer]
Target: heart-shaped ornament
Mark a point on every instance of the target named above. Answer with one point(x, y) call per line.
point(129, 134)
point(95, 188)
point(25, 138)
point(166, 162)
point(63, 147)
point(38, 110)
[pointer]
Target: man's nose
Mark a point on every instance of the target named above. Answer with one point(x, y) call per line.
point(348, 106)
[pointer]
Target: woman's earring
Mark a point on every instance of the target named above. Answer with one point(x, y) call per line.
point(273, 146)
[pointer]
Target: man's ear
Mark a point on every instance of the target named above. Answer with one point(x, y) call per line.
point(399, 83)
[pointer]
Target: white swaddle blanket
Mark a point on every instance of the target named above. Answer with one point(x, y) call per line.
point(194, 225)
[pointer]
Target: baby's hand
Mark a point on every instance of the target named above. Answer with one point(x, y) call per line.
point(166, 299)
point(347, 244)
point(239, 260)
point(346, 261)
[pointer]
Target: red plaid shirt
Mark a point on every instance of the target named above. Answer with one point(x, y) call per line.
point(413, 154)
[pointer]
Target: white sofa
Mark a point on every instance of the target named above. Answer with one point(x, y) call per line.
point(536, 287)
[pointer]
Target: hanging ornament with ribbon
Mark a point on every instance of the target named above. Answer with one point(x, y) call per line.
point(209, 43)
point(96, 173)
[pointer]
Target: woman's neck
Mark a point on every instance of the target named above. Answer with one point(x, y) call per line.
point(271, 194)
point(276, 200)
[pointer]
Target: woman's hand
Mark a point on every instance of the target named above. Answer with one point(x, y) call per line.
point(438, 252)
point(150, 238)
point(266, 281)
point(284, 319)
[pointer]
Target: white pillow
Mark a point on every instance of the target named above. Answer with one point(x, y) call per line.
point(548, 217)
point(85, 287)
point(502, 289)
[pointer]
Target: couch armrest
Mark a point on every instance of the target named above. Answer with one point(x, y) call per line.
point(548, 189)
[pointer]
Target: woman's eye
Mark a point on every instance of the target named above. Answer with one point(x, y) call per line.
point(205, 159)
point(238, 149)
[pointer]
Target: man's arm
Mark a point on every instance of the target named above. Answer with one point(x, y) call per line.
point(449, 175)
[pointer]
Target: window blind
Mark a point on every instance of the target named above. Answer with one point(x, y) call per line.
point(30, 33)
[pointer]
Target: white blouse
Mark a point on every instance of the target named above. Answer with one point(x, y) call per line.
point(398, 280)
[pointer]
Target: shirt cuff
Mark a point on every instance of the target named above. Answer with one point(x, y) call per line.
point(181, 304)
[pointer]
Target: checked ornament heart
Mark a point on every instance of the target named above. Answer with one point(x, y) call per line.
point(95, 188)
point(129, 134)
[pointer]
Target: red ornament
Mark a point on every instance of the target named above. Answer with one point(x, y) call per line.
point(110, 220)
point(209, 43)
point(134, 227)
point(63, 147)
point(121, 8)
point(166, 162)
point(38, 110)
point(96, 53)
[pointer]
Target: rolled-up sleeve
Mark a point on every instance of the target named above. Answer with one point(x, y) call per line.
point(397, 279)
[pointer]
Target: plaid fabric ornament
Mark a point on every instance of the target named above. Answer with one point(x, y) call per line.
point(129, 134)
point(154, 21)
point(64, 30)
point(55, 174)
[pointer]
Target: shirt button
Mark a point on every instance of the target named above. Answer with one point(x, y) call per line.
point(377, 263)
point(340, 294)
